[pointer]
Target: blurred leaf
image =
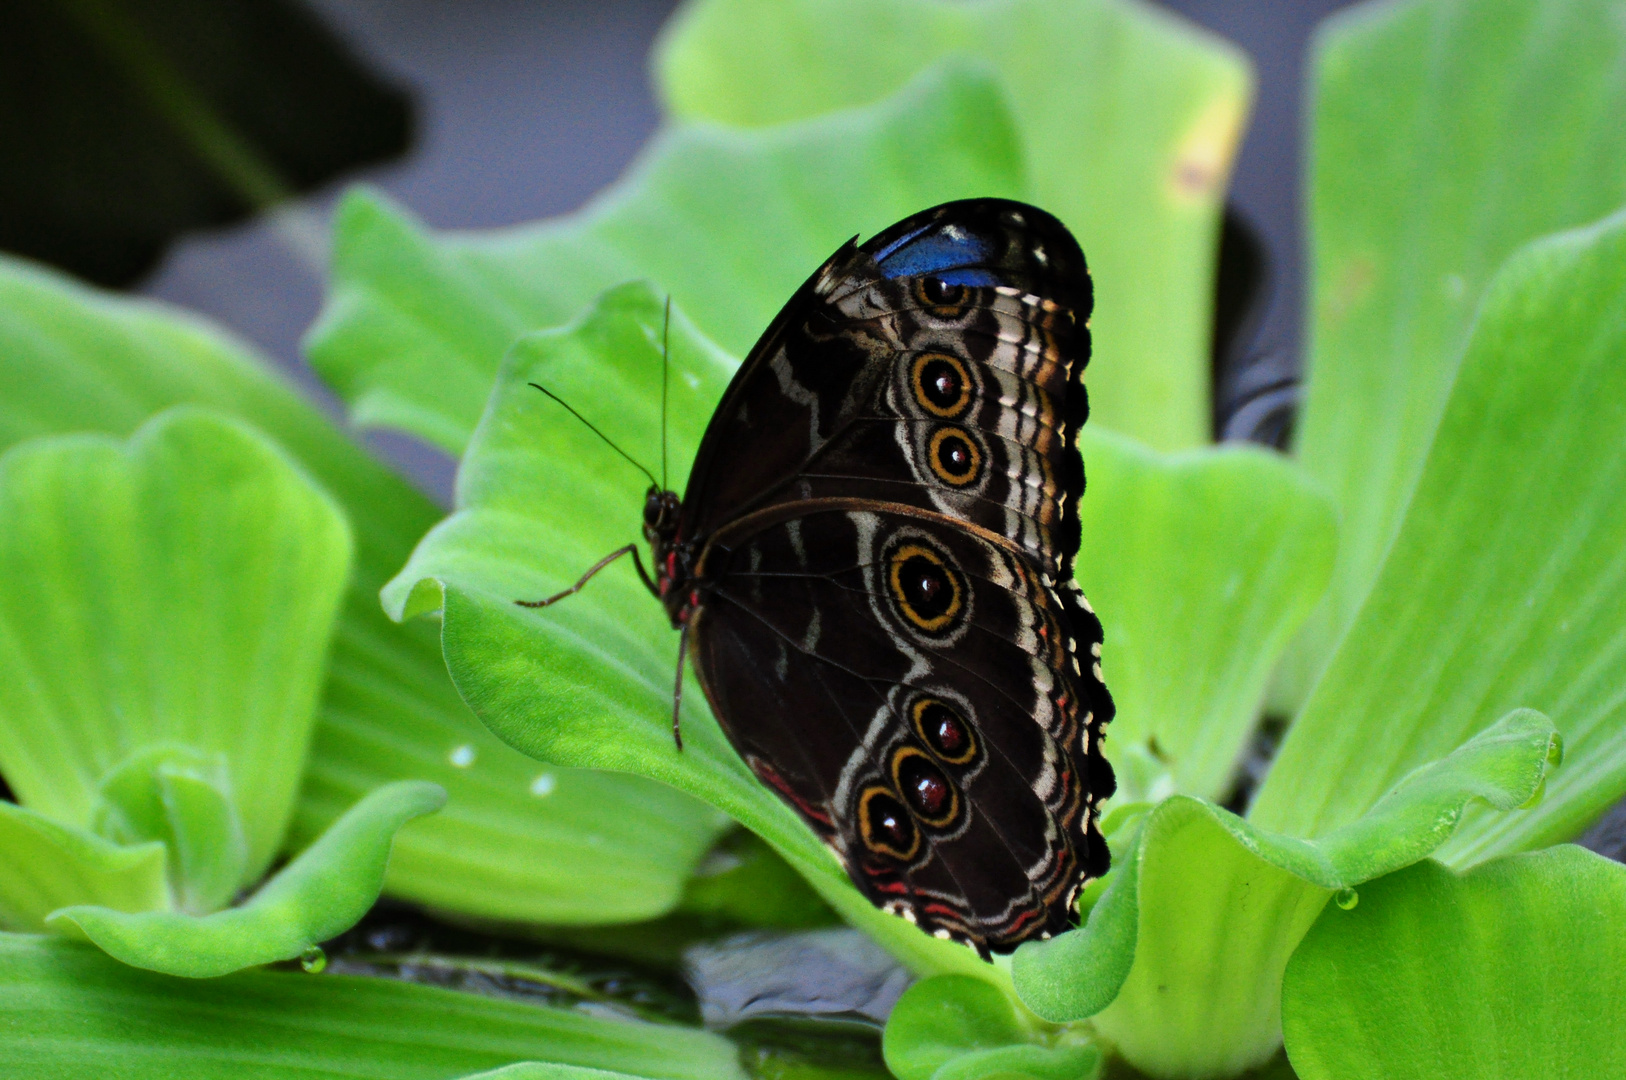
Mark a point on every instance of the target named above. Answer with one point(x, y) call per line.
point(45, 865)
point(1222, 904)
point(1127, 116)
point(953, 1027)
point(179, 797)
point(1446, 133)
point(588, 682)
point(743, 880)
point(515, 842)
point(1506, 584)
point(1201, 565)
point(730, 223)
point(177, 590)
point(1514, 970)
point(130, 121)
point(318, 896)
point(538, 1070)
point(68, 1012)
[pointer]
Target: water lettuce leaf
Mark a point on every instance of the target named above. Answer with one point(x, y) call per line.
point(1445, 134)
point(1505, 584)
point(953, 1027)
point(325, 890)
point(166, 605)
point(516, 842)
point(48, 865)
point(1201, 564)
point(1219, 905)
point(69, 1011)
point(1511, 970)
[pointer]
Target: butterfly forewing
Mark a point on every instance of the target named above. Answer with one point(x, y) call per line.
point(880, 528)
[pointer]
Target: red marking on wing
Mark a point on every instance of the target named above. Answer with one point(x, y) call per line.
point(1022, 920)
point(770, 776)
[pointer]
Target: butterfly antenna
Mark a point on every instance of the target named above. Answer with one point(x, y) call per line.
point(607, 440)
point(666, 357)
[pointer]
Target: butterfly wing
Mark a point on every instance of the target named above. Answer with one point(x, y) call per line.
point(926, 702)
point(939, 365)
point(929, 384)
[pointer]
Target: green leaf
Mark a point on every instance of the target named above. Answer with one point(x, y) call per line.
point(1513, 970)
point(744, 881)
point(45, 865)
point(1128, 119)
point(954, 1027)
point(541, 1070)
point(1201, 566)
point(181, 590)
point(588, 682)
point(318, 896)
point(1446, 133)
point(1506, 583)
point(515, 842)
point(177, 796)
point(1222, 904)
point(69, 1011)
point(1077, 974)
point(729, 223)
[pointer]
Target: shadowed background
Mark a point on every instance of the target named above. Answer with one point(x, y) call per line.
point(525, 109)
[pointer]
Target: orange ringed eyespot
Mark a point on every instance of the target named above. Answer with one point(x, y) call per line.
point(885, 825)
point(926, 788)
point(953, 456)
point(941, 727)
point(941, 384)
point(927, 591)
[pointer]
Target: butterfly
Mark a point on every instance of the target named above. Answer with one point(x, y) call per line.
point(872, 568)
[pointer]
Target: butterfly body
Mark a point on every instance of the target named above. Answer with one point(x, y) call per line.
point(872, 568)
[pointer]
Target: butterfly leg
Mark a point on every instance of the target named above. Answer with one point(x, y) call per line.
point(649, 582)
point(585, 578)
point(677, 688)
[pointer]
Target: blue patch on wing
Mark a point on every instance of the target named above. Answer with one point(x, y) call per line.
point(954, 259)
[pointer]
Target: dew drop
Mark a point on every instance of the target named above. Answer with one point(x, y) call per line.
point(543, 785)
point(1555, 750)
point(462, 756)
point(313, 959)
point(1347, 899)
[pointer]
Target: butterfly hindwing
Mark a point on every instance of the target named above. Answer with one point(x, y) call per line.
point(921, 697)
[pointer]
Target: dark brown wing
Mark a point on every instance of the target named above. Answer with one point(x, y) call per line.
point(927, 385)
point(985, 300)
point(926, 702)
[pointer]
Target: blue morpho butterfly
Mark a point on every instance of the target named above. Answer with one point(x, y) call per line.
point(872, 568)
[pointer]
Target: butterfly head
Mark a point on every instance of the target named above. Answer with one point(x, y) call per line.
point(661, 509)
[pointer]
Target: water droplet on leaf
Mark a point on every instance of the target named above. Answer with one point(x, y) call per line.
point(313, 959)
point(1346, 898)
point(543, 785)
point(1555, 751)
point(462, 756)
